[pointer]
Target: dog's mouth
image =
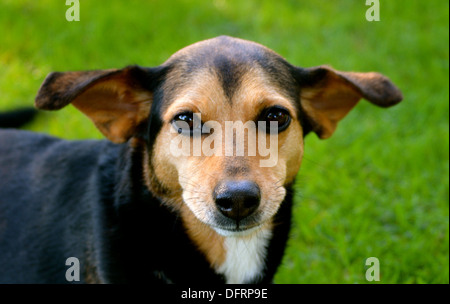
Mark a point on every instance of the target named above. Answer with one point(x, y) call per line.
point(239, 210)
point(228, 227)
point(226, 231)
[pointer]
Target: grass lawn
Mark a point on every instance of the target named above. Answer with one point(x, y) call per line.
point(378, 188)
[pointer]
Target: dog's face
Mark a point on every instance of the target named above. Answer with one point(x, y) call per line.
point(225, 83)
point(223, 123)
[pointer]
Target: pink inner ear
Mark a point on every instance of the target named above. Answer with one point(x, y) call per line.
point(328, 104)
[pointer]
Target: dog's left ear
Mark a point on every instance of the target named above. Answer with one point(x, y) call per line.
point(117, 101)
point(327, 95)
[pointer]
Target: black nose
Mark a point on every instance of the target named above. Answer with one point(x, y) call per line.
point(237, 199)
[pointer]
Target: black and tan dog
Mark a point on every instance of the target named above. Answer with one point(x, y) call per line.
point(128, 209)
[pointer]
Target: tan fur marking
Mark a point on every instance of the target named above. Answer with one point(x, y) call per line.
point(330, 99)
point(190, 180)
point(117, 111)
point(207, 240)
point(329, 103)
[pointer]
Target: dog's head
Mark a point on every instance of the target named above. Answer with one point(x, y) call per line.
point(222, 122)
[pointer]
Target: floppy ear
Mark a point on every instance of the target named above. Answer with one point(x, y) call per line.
point(327, 95)
point(117, 101)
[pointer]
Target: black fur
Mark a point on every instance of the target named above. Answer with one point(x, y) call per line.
point(17, 118)
point(102, 213)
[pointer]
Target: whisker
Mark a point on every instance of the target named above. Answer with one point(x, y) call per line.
point(192, 198)
point(197, 192)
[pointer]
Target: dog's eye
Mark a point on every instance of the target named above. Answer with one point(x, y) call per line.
point(186, 123)
point(276, 114)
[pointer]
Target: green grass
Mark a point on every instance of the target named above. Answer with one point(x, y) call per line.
point(379, 187)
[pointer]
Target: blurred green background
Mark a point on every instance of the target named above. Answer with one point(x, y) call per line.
point(378, 188)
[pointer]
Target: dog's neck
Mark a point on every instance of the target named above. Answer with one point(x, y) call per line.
point(239, 258)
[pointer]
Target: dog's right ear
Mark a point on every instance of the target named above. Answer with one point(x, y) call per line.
point(117, 101)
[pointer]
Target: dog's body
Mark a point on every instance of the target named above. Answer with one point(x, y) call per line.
point(102, 214)
point(131, 212)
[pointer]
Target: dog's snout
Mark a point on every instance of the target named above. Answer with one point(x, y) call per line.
point(237, 199)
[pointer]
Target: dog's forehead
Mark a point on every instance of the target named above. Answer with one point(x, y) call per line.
point(207, 52)
point(229, 60)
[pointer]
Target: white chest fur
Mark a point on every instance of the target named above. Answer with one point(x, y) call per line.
point(245, 256)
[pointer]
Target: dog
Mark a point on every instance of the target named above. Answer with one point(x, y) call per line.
point(127, 209)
